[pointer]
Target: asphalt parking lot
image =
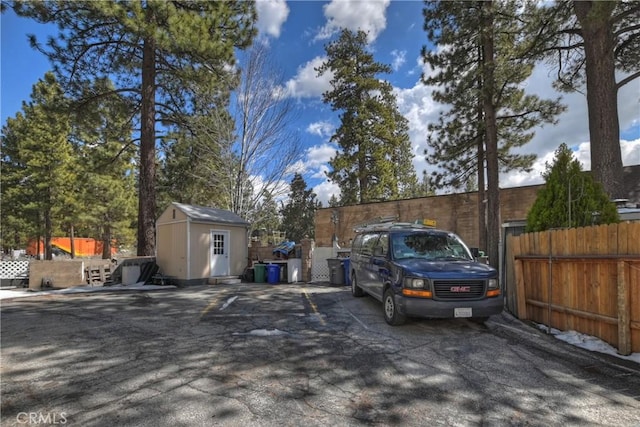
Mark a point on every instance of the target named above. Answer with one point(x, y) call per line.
point(290, 355)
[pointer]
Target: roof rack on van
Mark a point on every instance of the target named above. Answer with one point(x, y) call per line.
point(379, 220)
point(376, 221)
point(388, 224)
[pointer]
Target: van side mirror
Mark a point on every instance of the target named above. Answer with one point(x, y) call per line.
point(475, 252)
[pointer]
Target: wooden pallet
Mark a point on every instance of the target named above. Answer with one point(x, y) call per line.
point(98, 275)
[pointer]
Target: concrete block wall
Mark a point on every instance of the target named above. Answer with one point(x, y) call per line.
point(62, 273)
point(453, 212)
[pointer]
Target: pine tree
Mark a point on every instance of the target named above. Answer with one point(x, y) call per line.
point(374, 160)
point(42, 161)
point(102, 137)
point(269, 220)
point(570, 198)
point(18, 224)
point(594, 44)
point(157, 50)
point(298, 214)
point(480, 41)
point(193, 171)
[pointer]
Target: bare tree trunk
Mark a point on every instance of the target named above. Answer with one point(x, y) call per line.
point(48, 253)
point(482, 206)
point(602, 94)
point(72, 241)
point(106, 242)
point(146, 192)
point(493, 191)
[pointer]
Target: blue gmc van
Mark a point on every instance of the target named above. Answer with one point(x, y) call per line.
point(420, 271)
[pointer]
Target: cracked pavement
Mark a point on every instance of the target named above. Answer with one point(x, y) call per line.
point(289, 355)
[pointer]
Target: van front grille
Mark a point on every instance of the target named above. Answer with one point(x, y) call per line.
point(459, 290)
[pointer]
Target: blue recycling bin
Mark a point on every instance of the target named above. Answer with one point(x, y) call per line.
point(273, 273)
point(347, 274)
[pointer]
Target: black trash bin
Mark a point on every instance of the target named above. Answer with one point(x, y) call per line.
point(336, 271)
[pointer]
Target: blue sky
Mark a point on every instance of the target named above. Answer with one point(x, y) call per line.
point(297, 32)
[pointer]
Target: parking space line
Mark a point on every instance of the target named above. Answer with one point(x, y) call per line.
point(208, 308)
point(313, 307)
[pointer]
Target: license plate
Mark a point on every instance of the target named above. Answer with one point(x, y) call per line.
point(462, 312)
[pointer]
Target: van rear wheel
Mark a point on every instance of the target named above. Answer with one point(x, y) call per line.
point(356, 290)
point(391, 314)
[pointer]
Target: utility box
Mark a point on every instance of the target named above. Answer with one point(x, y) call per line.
point(294, 270)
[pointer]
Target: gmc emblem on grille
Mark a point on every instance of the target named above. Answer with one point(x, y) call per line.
point(460, 289)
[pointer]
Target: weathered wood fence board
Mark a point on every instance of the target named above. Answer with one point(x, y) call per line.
point(583, 279)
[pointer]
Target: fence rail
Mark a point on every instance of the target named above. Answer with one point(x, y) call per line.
point(583, 279)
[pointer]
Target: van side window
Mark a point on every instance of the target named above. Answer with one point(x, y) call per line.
point(368, 242)
point(357, 243)
point(383, 242)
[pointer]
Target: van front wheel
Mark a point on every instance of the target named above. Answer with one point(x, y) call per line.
point(391, 314)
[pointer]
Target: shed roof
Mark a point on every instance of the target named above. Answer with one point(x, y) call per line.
point(212, 215)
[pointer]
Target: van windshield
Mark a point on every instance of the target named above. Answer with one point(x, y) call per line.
point(429, 245)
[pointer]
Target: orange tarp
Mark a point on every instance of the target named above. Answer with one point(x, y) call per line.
point(84, 246)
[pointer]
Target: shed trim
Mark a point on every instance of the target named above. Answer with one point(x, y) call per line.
point(171, 222)
point(188, 247)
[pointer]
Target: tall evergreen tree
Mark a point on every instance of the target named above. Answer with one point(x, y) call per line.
point(42, 162)
point(269, 220)
point(595, 45)
point(192, 171)
point(334, 202)
point(570, 198)
point(105, 156)
point(18, 224)
point(374, 160)
point(157, 50)
point(298, 214)
point(465, 34)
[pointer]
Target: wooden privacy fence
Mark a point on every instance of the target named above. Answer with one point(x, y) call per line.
point(581, 279)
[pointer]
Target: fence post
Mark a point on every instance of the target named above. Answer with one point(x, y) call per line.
point(624, 311)
point(521, 298)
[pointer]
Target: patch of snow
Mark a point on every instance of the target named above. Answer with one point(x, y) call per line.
point(262, 332)
point(588, 342)
point(229, 301)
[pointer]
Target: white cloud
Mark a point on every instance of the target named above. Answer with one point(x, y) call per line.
point(316, 166)
point(325, 190)
point(319, 155)
point(271, 15)
point(582, 152)
point(306, 83)
point(321, 128)
point(354, 15)
point(399, 58)
point(630, 152)
point(573, 127)
point(418, 107)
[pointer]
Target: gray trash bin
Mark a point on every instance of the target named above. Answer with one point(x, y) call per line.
point(336, 271)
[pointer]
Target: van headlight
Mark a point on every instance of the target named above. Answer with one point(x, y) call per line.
point(493, 284)
point(413, 283)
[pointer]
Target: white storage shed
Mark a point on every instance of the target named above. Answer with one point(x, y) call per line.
point(195, 244)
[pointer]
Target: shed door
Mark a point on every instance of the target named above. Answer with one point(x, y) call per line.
point(219, 251)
